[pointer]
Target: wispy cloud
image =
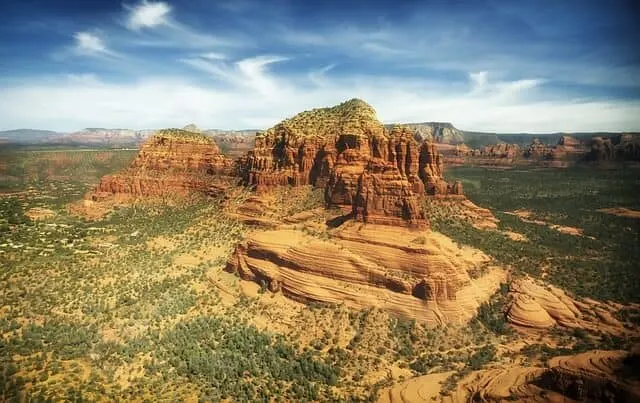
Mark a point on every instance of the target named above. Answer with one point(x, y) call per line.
point(248, 73)
point(479, 80)
point(89, 43)
point(237, 64)
point(147, 15)
point(318, 77)
point(162, 29)
point(213, 56)
point(269, 99)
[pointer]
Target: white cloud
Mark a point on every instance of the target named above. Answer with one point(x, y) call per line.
point(479, 79)
point(254, 71)
point(84, 78)
point(318, 77)
point(170, 102)
point(148, 15)
point(213, 56)
point(250, 73)
point(88, 43)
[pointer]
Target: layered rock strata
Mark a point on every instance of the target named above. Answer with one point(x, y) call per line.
point(593, 376)
point(538, 306)
point(415, 274)
point(378, 174)
point(171, 162)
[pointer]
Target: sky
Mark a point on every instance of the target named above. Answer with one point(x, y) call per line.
point(483, 65)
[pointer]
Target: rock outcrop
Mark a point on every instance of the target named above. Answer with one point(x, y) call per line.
point(625, 147)
point(437, 132)
point(537, 306)
point(593, 376)
point(567, 149)
point(172, 161)
point(233, 144)
point(415, 274)
point(377, 174)
point(504, 150)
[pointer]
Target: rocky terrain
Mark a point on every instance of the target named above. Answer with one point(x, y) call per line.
point(590, 376)
point(377, 174)
point(171, 162)
point(368, 174)
point(333, 263)
point(420, 275)
point(437, 132)
point(102, 136)
point(233, 143)
point(565, 152)
point(624, 147)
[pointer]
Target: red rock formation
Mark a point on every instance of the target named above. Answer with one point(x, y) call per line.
point(383, 195)
point(537, 149)
point(567, 147)
point(366, 266)
point(624, 147)
point(172, 161)
point(431, 169)
point(375, 172)
point(504, 150)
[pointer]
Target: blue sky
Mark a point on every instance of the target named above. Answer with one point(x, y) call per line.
point(534, 66)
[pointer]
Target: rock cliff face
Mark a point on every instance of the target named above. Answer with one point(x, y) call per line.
point(379, 174)
point(172, 161)
point(567, 148)
point(233, 143)
point(416, 274)
point(504, 150)
point(625, 147)
point(437, 132)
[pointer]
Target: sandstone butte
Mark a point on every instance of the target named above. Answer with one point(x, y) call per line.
point(380, 175)
point(170, 162)
point(382, 255)
point(416, 274)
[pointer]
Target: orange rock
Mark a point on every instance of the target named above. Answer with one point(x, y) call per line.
point(172, 161)
point(371, 266)
point(380, 174)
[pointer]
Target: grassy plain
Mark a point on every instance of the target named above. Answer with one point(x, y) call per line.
point(599, 259)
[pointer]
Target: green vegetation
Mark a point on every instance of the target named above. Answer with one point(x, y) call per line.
point(54, 168)
point(492, 313)
point(349, 117)
point(137, 305)
point(180, 134)
point(123, 308)
point(602, 264)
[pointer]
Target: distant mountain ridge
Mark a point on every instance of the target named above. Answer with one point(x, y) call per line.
point(97, 136)
point(439, 132)
point(26, 135)
point(238, 141)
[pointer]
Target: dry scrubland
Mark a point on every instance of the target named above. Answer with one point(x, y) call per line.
point(137, 305)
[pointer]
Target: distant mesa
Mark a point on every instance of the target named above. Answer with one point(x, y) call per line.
point(624, 147)
point(437, 132)
point(170, 162)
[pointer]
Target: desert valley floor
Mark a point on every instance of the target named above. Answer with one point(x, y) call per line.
point(137, 304)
